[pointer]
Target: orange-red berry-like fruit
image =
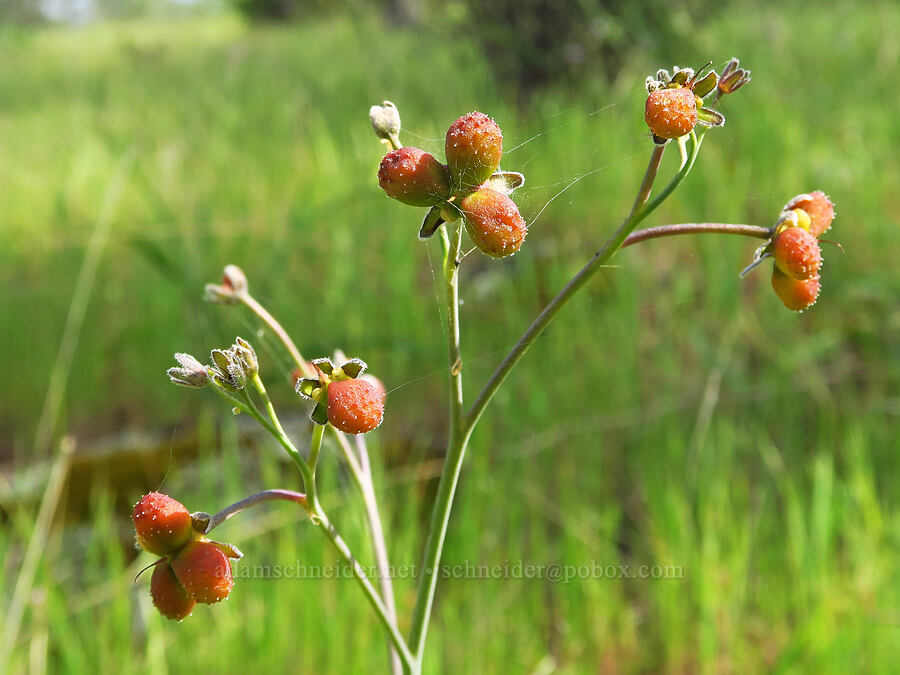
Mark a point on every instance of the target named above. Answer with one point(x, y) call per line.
point(163, 524)
point(474, 145)
point(671, 113)
point(794, 293)
point(204, 571)
point(819, 208)
point(169, 596)
point(797, 253)
point(355, 406)
point(414, 177)
point(493, 222)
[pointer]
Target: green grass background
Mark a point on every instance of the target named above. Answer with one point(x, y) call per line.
point(673, 415)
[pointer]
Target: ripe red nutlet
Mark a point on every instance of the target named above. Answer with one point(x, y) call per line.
point(204, 571)
point(819, 208)
point(163, 525)
point(671, 113)
point(493, 222)
point(169, 596)
point(474, 145)
point(796, 295)
point(355, 406)
point(797, 253)
point(414, 177)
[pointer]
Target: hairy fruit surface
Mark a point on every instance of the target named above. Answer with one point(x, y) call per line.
point(819, 208)
point(204, 571)
point(474, 145)
point(797, 253)
point(169, 596)
point(355, 406)
point(493, 222)
point(414, 177)
point(796, 294)
point(163, 524)
point(671, 113)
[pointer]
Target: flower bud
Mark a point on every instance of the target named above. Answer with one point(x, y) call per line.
point(191, 372)
point(385, 119)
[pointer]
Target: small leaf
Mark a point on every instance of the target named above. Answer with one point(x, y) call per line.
point(706, 85)
point(325, 365)
point(220, 359)
point(709, 117)
point(228, 549)
point(431, 223)
point(354, 368)
point(320, 414)
point(505, 182)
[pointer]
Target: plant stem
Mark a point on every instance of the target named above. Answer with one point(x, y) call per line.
point(253, 500)
point(696, 228)
point(359, 469)
point(314, 446)
point(456, 449)
point(320, 519)
point(639, 211)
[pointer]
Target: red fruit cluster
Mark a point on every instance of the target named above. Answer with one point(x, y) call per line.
point(473, 147)
point(192, 569)
point(795, 248)
point(355, 406)
point(671, 113)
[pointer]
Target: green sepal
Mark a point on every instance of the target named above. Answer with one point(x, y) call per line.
point(307, 386)
point(505, 182)
point(354, 368)
point(221, 360)
point(431, 223)
point(319, 414)
point(230, 551)
point(707, 84)
point(709, 117)
point(325, 365)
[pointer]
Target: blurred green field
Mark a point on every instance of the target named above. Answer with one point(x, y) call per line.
point(673, 415)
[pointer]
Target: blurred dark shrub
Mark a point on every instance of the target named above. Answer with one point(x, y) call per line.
point(531, 43)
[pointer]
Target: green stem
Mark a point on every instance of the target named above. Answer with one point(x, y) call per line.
point(314, 446)
point(640, 210)
point(317, 513)
point(359, 469)
point(696, 228)
point(456, 449)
